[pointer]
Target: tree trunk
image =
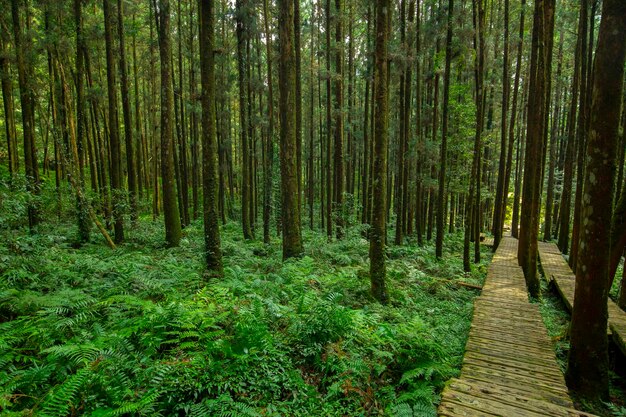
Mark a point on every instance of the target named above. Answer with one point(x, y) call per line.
point(547, 227)
point(441, 210)
point(501, 192)
point(117, 189)
point(290, 209)
point(22, 43)
point(339, 179)
point(170, 208)
point(582, 127)
point(539, 91)
point(511, 133)
point(473, 202)
point(269, 145)
point(379, 172)
point(570, 147)
point(128, 126)
point(213, 252)
point(9, 112)
point(246, 190)
point(588, 362)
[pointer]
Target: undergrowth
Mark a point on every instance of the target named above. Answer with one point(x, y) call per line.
point(139, 332)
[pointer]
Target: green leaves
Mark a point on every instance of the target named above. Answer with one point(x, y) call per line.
point(139, 332)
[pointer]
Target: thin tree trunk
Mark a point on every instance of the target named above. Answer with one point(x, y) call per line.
point(441, 211)
point(269, 145)
point(501, 192)
point(242, 34)
point(24, 70)
point(128, 129)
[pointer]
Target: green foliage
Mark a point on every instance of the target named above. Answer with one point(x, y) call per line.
point(138, 331)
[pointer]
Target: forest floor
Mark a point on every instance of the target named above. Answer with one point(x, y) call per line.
point(139, 331)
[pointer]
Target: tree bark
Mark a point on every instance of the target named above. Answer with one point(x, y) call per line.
point(170, 208)
point(117, 189)
point(9, 112)
point(131, 166)
point(539, 91)
point(441, 211)
point(212, 247)
point(588, 362)
point(501, 192)
point(379, 172)
point(242, 68)
point(290, 208)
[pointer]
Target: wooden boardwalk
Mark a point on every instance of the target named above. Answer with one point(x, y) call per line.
point(557, 271)
point(509, 368)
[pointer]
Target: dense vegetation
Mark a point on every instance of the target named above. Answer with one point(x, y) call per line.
point(140, 331)
point(272, 207)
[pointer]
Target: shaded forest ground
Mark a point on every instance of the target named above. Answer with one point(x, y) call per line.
point(139, 331)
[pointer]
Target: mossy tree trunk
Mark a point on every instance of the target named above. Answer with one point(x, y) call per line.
point(212, 245)
point(290, 209)
point(170, 207)
point(380, 141)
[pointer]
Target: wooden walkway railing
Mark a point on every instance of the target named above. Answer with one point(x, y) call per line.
point(509, 368)
point(557, 271)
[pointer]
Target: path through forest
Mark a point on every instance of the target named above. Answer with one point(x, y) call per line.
point(509, 368)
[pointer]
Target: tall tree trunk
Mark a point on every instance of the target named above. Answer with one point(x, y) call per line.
point(117, 189)
point(511, 133)
point(213, 252)
point(399, 185)
point(473, 202)
point(418, 129)
point(84, 222)
point(194, 134)
point(501, 192)
point(570, 147)
point(269, 145)
point(9, 112)
point(339, 179)
point(128, 126)
point(27, 98)
point(581, 135)
point(380, 139)
point(292, 235)
point(588, 362)
point(540, 65)
point(170, 208)
point(547, 228)
point(441, 211)
point(365, 195)
point(298, 98)
point(242, 34)
point(329, 169)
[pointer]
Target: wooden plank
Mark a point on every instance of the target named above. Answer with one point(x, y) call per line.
point(509, 396)
point(531, 387)
point(521, 361)
point(449, 408)
point(509, 368)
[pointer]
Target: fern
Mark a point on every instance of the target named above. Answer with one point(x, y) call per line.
point(65, 396)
